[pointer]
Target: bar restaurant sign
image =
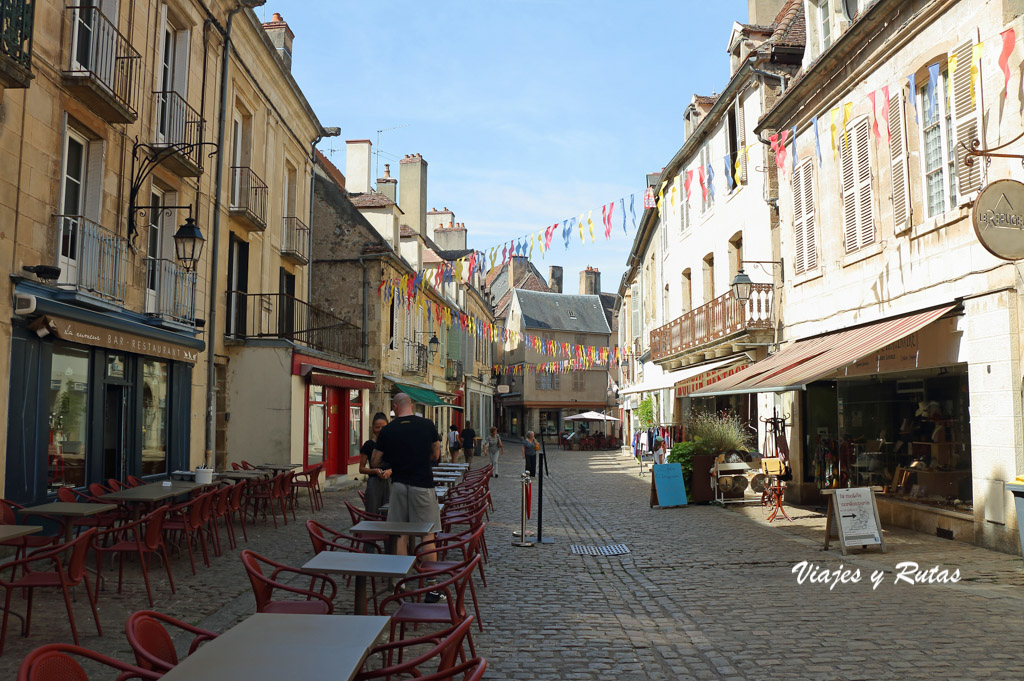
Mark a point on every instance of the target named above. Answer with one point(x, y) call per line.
point(999, 219)
point(88, 334)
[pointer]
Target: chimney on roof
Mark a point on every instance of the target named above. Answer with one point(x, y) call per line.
point(763, 12)
point(387, 185)
point(357, 165)
point(590, 281)
point(412, 191)
point(281, 37)
point(437, 222)
point(555, 278)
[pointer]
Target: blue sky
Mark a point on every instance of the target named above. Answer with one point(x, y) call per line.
point(528, 112)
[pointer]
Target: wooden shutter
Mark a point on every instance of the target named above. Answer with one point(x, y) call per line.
point(741, 140)
point(865, 214)
point(898, 161)
point(94, 172)
point(849, 192)
point(799, 247)
point(965, 122)
point(810, 242)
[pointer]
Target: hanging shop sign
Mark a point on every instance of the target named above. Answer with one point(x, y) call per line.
point(87, 334)
point(998, 218)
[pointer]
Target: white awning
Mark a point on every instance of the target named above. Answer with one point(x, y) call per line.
point(670, 379)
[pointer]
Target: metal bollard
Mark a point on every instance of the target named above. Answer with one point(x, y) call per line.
point(523, 533)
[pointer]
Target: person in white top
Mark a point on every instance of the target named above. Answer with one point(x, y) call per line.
point(660, 450)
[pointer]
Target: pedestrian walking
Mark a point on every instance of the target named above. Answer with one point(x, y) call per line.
point(530, 454)
point(410, 444)
point(660, 457)
point(468, 441)
point(378, 484)
point(454, 442)
point(494, 448)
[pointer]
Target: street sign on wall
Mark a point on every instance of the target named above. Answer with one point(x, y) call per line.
point(998, 218)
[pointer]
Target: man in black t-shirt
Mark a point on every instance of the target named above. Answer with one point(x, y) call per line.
point(469, 441)
point(410, 444)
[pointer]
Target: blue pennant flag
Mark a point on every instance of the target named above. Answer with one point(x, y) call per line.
point(631, 211)
point(622, 202)
point(728, 171)
point(933, 79)
point(913, 94)
point(566, 231)
point(711, 186)
point(817, 140)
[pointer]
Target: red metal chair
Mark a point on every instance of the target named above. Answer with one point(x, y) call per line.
point(309, 479)
point(450, 611)
point(53, 662)
point(102, 520)
point(269, 492)
point(61, 577)
point(468, 546)
point(23, 544)
point(237, 502)
point(152, 644)
point(116, 485)
point(235, 467)
point(326, 539)
point(186, 520)
point(140, 537)
point(247, 466)
point(287, 495)
point(470, 670)
point(446, 648)
point(219, 508)
point(135, 481)
point(263, 587)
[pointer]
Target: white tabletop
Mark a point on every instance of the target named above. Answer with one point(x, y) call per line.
point(272, 647)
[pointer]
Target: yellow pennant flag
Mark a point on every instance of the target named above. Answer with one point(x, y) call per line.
point(590, 221)
point(739, 165)
point(661, 199)
point(847, 113)
point(581, 229)
point(530, 255)
point(540, 240)
point(949, 78)
point(458, 270)
point(494, 256)
point(672, 196)
point(835, 115)
point(975, 67)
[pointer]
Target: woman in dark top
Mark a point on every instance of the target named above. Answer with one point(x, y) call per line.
point(378, 486)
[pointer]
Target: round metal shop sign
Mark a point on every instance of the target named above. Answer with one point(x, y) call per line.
point(998, 218)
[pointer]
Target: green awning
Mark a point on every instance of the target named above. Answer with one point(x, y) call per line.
point(421, 395)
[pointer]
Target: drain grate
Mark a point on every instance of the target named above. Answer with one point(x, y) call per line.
point(607, 550)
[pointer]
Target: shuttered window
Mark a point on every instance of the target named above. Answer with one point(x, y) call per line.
point(965, 122)
point(855, 163)
point(898, 160)
point(938, 159)
point(804, 241)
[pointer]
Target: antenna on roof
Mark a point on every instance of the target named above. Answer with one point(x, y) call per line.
point(377, 150)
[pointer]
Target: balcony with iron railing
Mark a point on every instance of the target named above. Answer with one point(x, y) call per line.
point(453, 371)
point(170, 291)
point(723, 317)
point(101, 67)
point(414, 360)
point(16, 42)
point(295, 241)
point(179, 126)
point(279, 316)
point(248, 198)
point(92, 259)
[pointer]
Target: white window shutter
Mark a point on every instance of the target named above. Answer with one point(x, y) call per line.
point(183, 40)
point(901, 207)
point(741, 137)
point(799, 247)
point(158, 75)
point(966, 122)
point(94, 181)
point(849, 194)
point(810, 243)
point(865, 212)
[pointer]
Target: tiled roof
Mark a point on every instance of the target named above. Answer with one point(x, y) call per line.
point(704, 99)
point(331, 169)
point(409, 231)
point(370, 200)
point(562, 312)
point(790, 25)
point(757, 28)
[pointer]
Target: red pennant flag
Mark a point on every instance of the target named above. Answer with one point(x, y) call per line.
point(874, 120)
point(607, 225)
point(780, 151)
point(472, 265)
point(504, 254)
point(1009, 36)
point(686, 183)
point(885, 112)
point(611, 209)
point(700, 178)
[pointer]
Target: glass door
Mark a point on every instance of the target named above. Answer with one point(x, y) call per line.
point(117, 399)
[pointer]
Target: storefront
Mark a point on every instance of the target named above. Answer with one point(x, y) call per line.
point(334, 423)
point(95, 396)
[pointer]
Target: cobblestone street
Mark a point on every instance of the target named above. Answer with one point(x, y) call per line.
point(705, 593)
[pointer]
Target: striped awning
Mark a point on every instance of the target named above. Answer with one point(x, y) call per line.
point(803, 362)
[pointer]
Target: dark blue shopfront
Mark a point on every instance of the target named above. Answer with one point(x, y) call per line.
point(93, 396)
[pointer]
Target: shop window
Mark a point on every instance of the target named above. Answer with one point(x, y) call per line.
point(355, 425)
point(155, 377)
point(316, 426)
point(69, 392)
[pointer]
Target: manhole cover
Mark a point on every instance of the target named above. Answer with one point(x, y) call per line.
point(607, 550)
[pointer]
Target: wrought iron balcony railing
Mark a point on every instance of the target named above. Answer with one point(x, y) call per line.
point(16, 42)
point(91, 258)
point(453, 370)
point(722, 317)
point(170, 291)
point(295, 241)
point(102, 66)
point(415, 358)
point(284, 317)
point(178, 124)
point(249, 196)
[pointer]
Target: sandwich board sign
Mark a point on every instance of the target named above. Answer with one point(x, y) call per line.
point(668, 484)
point(855, 516)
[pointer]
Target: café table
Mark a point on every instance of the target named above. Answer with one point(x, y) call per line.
point(243, 475)
point(272, 647)
point(9, 532)
point(68, 510)
point(153, 492)
point(393, 530)
point(278, 467)
point(441, 491)
point(361, 566)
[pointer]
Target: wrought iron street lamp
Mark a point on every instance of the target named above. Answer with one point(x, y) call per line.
point(188, 244)
point(741, 287)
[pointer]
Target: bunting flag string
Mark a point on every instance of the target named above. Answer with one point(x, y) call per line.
point(874, 119)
